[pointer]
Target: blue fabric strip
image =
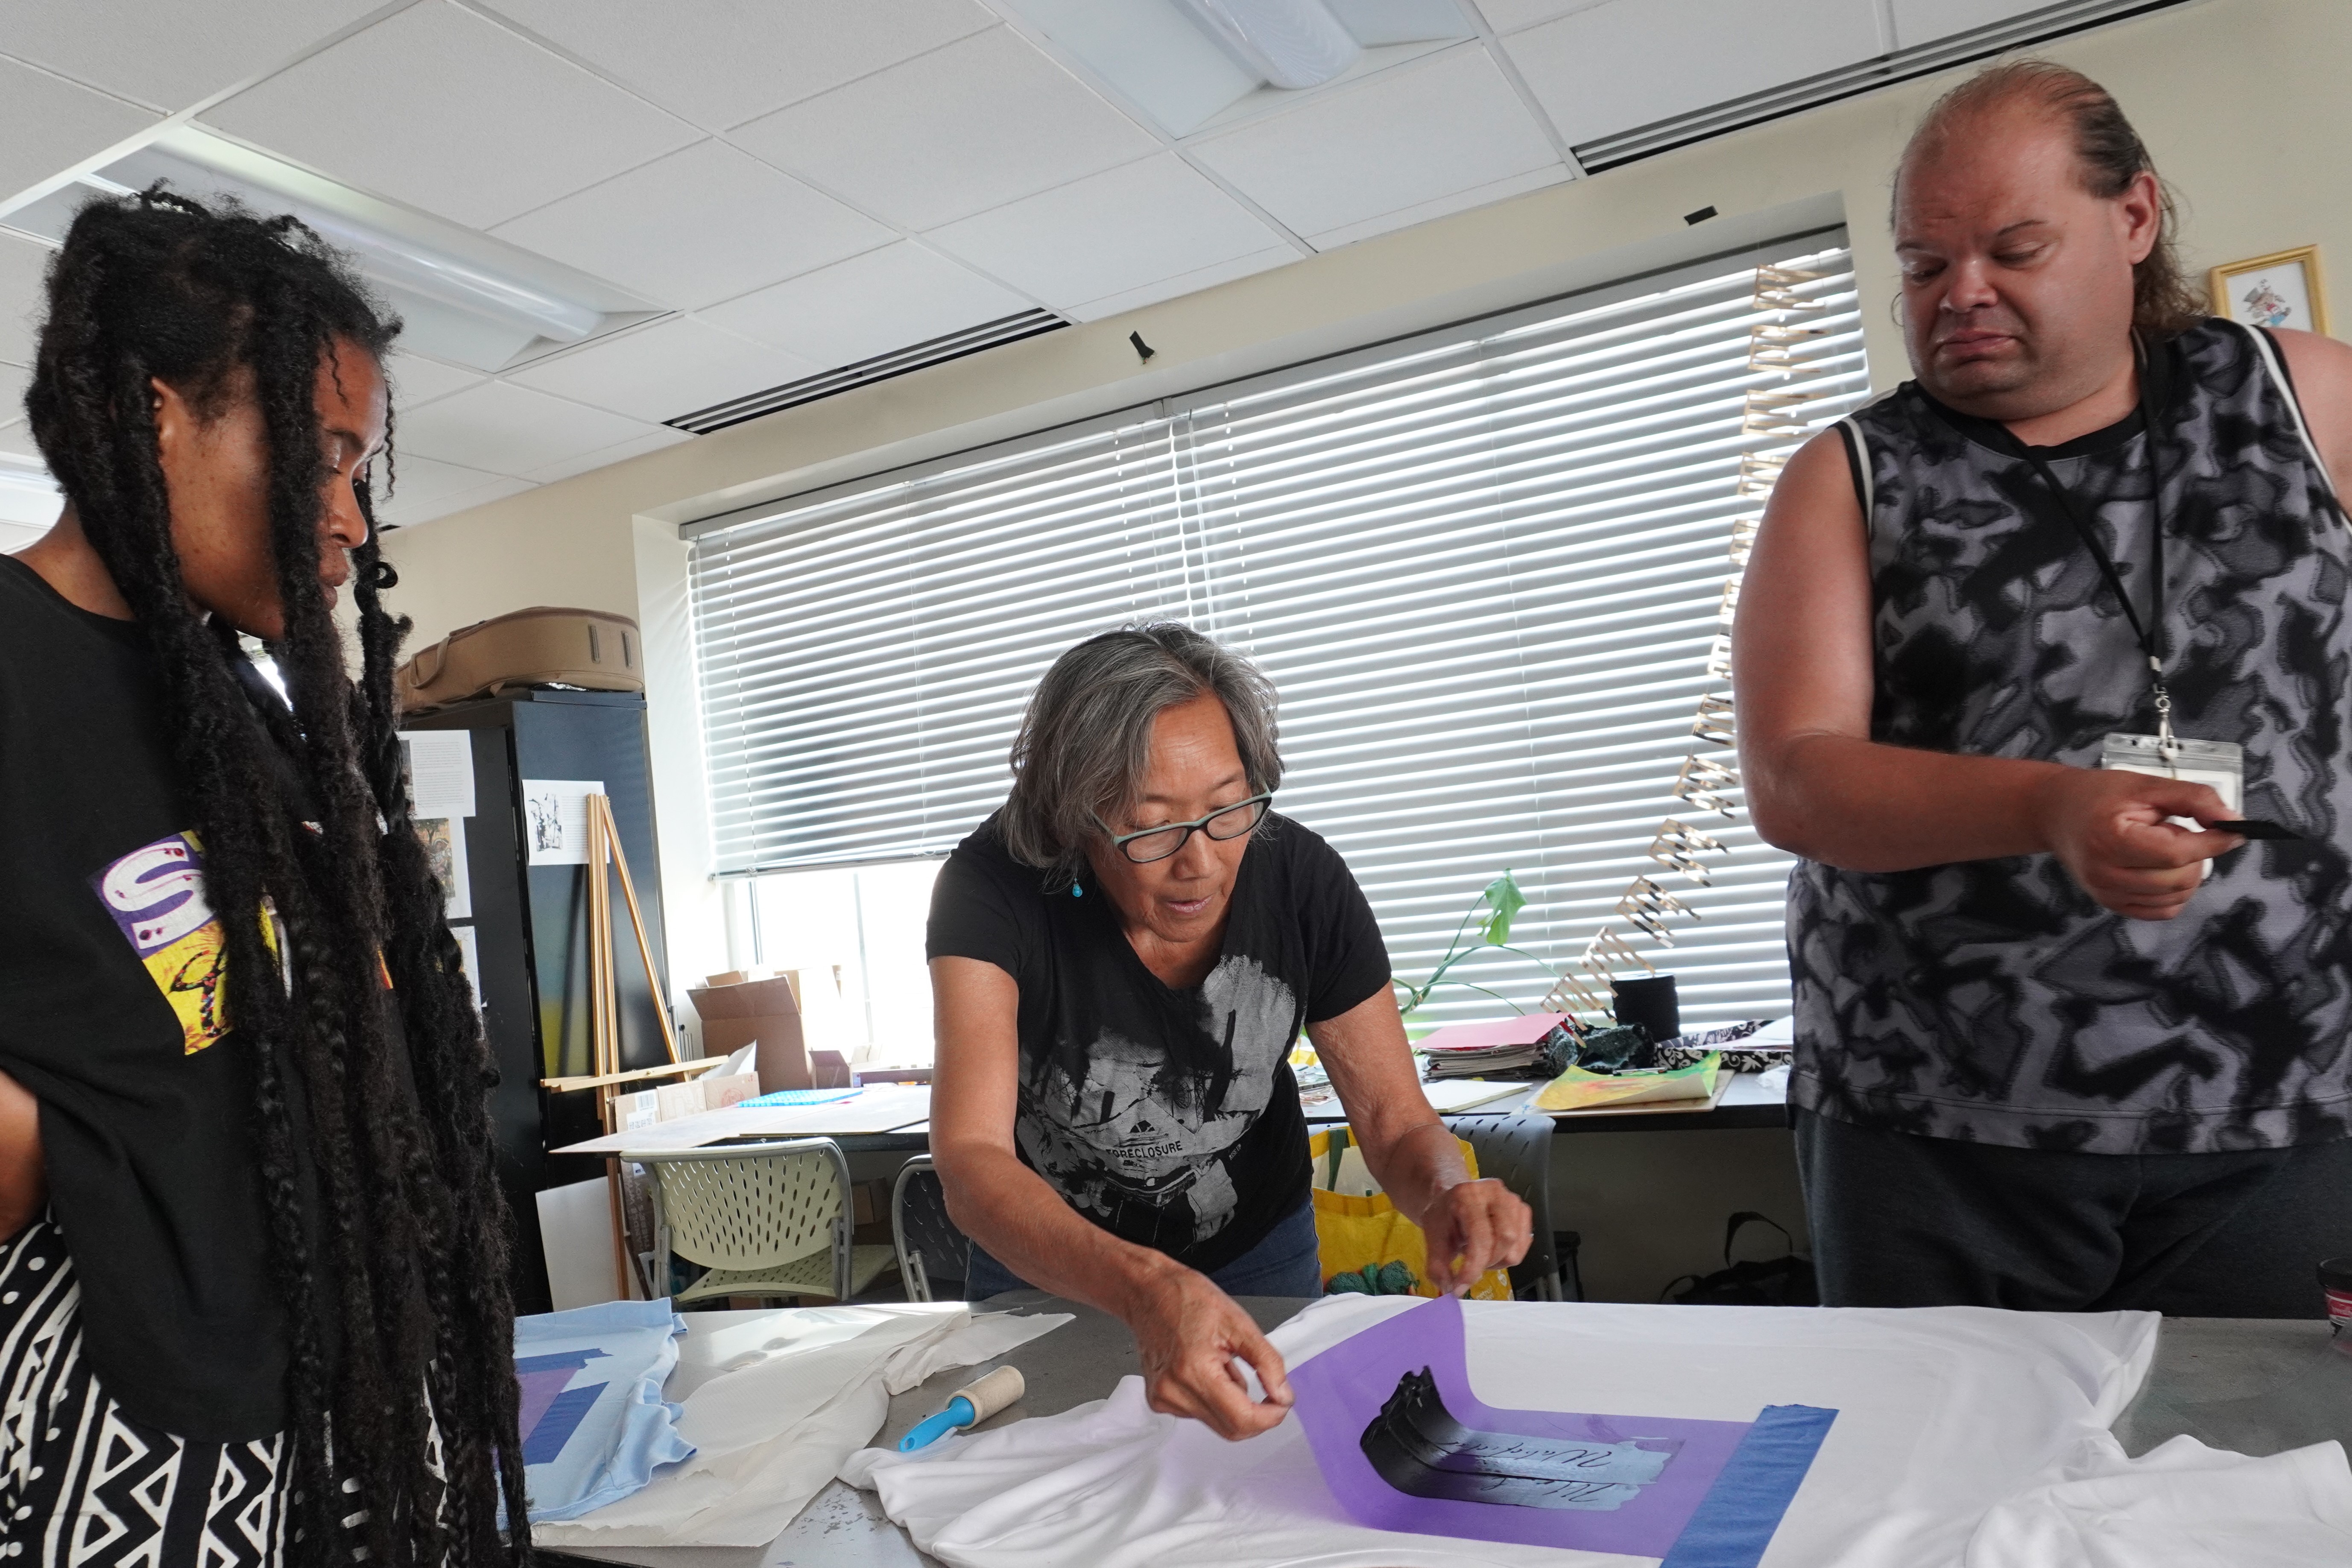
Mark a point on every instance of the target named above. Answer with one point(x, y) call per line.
point(1735, 1522)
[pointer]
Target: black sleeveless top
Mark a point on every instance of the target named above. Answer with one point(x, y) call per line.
point(1993, 1000)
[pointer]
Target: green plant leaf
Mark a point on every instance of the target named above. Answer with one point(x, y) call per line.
point(1505, 899)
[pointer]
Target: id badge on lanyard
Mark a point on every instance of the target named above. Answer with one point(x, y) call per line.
point(2221, 765)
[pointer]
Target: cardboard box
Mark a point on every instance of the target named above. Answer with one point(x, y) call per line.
point(717, 1093)
point(676, 1099)
point(765, 1010)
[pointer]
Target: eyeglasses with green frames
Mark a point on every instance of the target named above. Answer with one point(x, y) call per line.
point(1228, 822)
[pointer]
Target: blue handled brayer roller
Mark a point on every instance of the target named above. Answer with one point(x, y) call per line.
point(971, 1406)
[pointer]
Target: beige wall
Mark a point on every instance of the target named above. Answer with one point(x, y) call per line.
point(2237, 99)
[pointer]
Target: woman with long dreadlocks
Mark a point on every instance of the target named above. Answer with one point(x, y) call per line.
point(253, 1303)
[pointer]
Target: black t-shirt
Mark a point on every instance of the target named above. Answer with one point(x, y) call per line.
point(111, 969)
point(1168, 1117)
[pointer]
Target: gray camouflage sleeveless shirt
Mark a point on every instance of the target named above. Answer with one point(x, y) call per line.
point(1992, 1000)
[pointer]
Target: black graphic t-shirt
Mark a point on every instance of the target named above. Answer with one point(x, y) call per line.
point(1168, 1117)
point(110, 1015)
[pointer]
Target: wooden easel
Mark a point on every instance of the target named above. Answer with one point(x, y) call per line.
point(604, 1008)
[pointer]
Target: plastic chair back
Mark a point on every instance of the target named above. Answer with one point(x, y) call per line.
point(930, 1246)
point(1515, 1150)
point(745, 1208)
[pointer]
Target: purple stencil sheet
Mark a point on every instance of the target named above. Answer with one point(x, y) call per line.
point(1342, 1391)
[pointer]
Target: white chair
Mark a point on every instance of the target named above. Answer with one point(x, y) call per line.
point(764, 1219)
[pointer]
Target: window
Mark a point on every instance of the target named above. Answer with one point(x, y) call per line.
point(854, 935)
point(1484, 566)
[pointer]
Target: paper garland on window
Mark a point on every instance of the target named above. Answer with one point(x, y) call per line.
point(1773, 419)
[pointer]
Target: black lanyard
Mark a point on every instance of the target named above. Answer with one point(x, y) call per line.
point(2150, 636)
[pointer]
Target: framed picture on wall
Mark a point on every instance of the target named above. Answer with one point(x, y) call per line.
point(2282, 290)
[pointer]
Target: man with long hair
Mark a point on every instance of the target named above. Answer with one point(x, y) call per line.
point(253, 1289)
point(2040, 665)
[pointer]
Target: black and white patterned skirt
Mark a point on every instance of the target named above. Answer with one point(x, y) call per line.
point(82, 1485)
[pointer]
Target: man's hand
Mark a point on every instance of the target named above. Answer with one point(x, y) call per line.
point(1473, 1227)
point(24, 1186)
point(1189, 1332)
point(2107, 827)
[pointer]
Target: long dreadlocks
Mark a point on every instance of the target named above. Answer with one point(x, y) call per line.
point(219, 303)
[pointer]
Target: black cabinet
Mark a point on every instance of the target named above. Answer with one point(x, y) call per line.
point(530, 933)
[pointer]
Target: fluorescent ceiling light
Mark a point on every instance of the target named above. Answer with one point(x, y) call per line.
point(1287, 43)
point(1187, 65)
point(465, 298)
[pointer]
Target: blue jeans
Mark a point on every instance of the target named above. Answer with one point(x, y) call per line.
point(1284, 1264)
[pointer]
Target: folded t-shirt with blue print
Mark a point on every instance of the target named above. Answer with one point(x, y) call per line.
point(594, 1425)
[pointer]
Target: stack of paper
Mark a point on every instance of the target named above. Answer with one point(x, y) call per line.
point(1496, 1048)
point(1577, 1089)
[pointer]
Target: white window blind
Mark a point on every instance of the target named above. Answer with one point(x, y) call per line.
point(1484, 567)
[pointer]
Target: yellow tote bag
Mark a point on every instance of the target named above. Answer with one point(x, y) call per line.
point(1351, 1232)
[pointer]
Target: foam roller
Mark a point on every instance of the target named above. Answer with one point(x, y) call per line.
point(972, 1404)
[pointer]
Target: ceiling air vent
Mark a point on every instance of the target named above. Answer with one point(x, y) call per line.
point(881, 367)
point(1925, 59)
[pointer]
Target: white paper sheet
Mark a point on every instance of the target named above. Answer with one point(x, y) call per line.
point(469, 953)
point(555, 819)
point(575, 1232)
point(440, 772)
point(880, 1109)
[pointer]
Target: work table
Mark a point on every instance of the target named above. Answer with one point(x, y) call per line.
point(2254, 1385)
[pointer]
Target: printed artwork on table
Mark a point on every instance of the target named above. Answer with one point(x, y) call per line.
point(1405, 1444)
point(156, 897)
point(552, 1411)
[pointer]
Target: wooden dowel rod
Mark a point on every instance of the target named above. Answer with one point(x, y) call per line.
point(603, 806)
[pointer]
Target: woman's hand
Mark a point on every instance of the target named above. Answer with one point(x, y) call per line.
point(1189, 1332)
point(1473, 1227)
point(24, 1185)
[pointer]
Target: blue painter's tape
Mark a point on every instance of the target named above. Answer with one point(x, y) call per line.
point(1734, 1523)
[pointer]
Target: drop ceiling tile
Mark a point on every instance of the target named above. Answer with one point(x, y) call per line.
point(1110, 233)
point(16, 441)
point(654, 441)
point(1632, 62)
point(23, 301)
point(1422, 212)
point(663, 371)
point(169, 55)
point(510, 430)
point(1183, 283)
point(1925, 21)
point(423, 480)
point(722, 62)
point(706, 223)
point(872, 304)
point(1510, 15)
point(1402, 139)
point(449, 490)
point(47, 124)
point(984, 120)
point(443, 109)
point(417, 380)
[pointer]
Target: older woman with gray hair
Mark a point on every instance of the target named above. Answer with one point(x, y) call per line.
point(1121, 958)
